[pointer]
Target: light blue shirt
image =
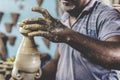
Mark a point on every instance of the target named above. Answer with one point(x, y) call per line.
point(98, 21)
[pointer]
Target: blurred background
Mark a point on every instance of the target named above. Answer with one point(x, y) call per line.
point(14, 11)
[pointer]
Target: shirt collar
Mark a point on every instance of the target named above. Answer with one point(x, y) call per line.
point(89, 6)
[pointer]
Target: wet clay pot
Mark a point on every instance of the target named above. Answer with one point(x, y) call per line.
point(27, 59)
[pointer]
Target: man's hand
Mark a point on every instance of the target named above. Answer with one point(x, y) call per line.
point(47, 27)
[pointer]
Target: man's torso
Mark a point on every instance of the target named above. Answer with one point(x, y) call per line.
point(72, 64)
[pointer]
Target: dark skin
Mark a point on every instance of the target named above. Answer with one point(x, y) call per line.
point(49, 70)
point(105, 53)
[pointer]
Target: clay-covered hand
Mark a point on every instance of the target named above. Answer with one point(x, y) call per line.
point(47, 27)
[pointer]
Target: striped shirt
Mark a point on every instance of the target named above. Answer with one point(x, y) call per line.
point(98, 21)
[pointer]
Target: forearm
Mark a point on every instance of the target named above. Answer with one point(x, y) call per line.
point(101, 52)
point(49, 70)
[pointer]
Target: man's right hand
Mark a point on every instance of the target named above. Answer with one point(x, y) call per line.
point(47, 27)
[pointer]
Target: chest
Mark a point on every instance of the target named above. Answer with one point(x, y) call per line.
point(87, 25)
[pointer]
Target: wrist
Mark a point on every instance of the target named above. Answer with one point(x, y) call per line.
point(71, 37)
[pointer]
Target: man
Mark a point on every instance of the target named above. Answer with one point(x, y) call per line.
point(88, 37)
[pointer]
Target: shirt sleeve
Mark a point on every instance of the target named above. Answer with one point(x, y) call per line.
point(109, 25)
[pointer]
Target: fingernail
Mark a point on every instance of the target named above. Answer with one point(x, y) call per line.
point(25, 27)
point(25, 20)
point(29, 34)
point(20, 24)
point(32, 8)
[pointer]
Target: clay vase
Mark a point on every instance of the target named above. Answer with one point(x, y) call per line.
point(27, 59)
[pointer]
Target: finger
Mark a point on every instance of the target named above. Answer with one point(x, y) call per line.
point(35, 27)
point(23, 31)
point(21, 24)
point(43, 11)
point(39, 33)
point(34, 20)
